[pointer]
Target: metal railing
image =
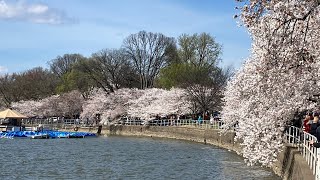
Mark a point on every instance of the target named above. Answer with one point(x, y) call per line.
point(204, 124)
point(297, 137)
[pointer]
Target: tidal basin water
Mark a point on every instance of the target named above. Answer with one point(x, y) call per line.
point(121, 158)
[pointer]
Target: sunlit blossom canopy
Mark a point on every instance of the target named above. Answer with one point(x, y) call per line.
point(8, 113)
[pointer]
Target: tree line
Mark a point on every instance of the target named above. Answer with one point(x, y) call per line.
point(145, 60)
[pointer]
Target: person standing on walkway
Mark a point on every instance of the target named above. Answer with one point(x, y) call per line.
point(314, 125)
point(307, 121)
point(199, 120)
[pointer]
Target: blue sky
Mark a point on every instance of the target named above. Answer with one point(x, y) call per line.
point(35, 31)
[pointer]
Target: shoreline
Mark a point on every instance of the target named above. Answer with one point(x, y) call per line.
point(290, 164)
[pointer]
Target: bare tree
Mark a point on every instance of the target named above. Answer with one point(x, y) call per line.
point(147, 52)
point(63, 64)
point(207, 95)
point(33, 84)
point(109, 69)
point(5, 85)
point(110, 65)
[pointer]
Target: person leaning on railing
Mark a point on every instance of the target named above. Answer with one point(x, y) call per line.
point(316, 133)
point(315, 144)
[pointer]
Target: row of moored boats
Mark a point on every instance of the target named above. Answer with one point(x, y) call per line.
point(45, 134)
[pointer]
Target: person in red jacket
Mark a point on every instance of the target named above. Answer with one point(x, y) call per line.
point(307, 121)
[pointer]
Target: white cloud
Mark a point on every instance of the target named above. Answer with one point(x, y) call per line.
point(35, 13)
point(3, 69)
point(38, 9)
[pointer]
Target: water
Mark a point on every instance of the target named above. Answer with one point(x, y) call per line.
point(121, 158)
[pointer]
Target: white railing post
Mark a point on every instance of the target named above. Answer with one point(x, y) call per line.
point(290, 135)
point(309, 153)
point(314, 160)
point(318, 166)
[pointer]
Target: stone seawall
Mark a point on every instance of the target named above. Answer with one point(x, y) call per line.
point(290, 164)
point(182, 133)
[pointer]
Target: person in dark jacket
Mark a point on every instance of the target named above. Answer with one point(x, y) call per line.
point(315, 144)
point(314, 125)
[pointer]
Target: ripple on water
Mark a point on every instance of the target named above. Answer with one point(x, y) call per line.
point(121, 158)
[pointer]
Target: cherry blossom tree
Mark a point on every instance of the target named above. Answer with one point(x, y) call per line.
point(50, 106)
point(160, 102)
point(135, 103)
point(71, 103)
point(65, 105)
point(94, 104)
point(28, 108)
point(109, 106)
point(279, 78)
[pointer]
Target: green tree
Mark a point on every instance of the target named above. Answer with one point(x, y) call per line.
point(196, 69)
point(75, 80)
point(199, 49)
point(172, 55)
point(183, 75)
point(203, 84)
